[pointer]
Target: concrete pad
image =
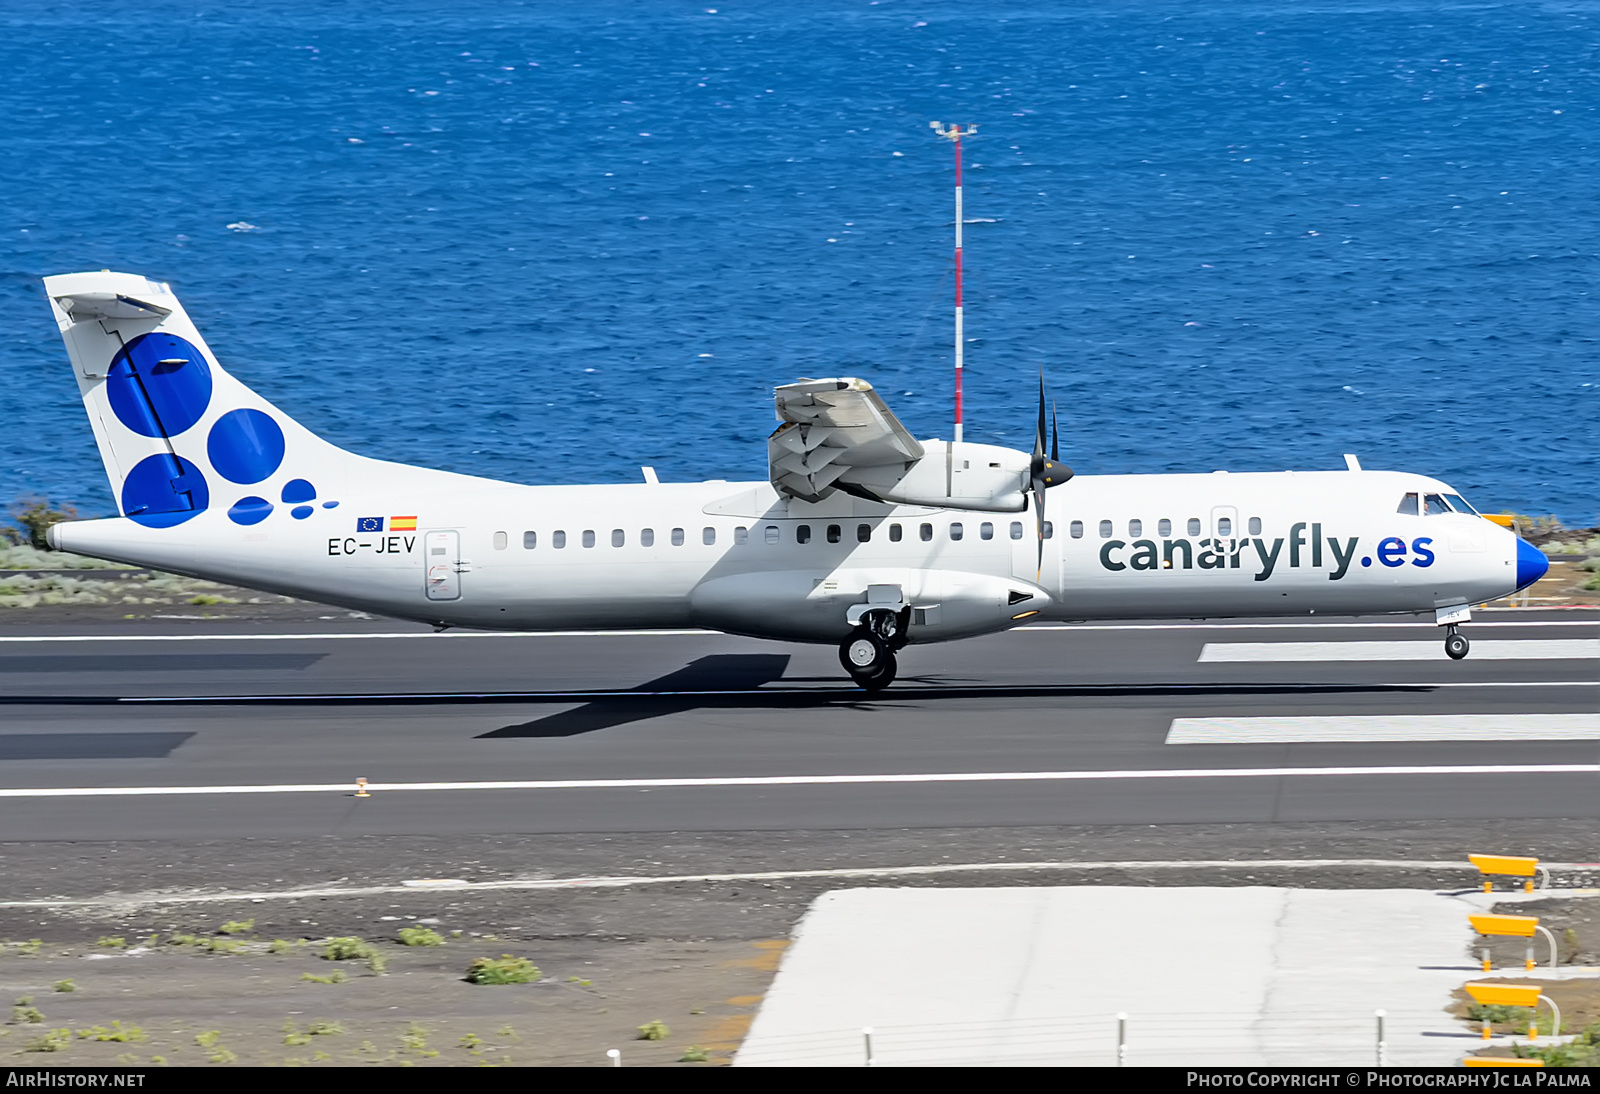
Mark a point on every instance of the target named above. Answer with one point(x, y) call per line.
point(1206, 976)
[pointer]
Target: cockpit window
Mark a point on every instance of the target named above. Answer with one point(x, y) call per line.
point(1459, 504)
point(1433, 505)
point(1408, 505)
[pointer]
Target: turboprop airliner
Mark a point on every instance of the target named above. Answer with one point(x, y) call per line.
point(862, 535)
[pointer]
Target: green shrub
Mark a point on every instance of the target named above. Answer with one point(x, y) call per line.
point(654, 1031)
point(112, 942)
point(347, 949)
point(334, 977)
point(54, 1040)
point(420, 936)
point(504, 969)
point(694, 1054)
point(114, 1032)
point(279, 945)
point(66, 985)
point(238, 926)
point(24, 1013)
point(34, 516)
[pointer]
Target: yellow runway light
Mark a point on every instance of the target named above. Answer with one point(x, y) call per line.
point(1510, 866)
point(1499, 1061)
point(1516, 926)
point(1505, 995)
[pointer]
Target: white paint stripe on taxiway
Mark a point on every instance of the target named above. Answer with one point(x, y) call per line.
point(1384, 727)
point(618, 881)
point(1559, 649)
point(806, 780)
point(1034, 629)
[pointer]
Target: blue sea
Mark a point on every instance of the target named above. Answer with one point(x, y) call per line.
point(551, 242)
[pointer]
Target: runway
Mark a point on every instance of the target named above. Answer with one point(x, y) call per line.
point(185, 730)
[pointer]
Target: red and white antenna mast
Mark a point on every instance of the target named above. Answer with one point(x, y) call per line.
point(953, 134)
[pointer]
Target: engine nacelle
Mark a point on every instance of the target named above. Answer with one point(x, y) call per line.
point(985, 477)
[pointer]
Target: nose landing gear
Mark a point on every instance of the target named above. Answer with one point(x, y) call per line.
point(867, 653)
point(1455, 643)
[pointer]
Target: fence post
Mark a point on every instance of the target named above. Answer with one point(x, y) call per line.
point(866, 1037)
point(1383, 1046)
point(1122, 1038)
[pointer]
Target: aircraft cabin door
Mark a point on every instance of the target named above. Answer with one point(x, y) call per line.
point(442, 558)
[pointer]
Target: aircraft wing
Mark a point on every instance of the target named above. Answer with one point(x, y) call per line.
point(831, 427)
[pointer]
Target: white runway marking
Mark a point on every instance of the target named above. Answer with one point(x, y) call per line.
point(1037, 628)
point(1482, 650)
point(807, 780)
point(1385, 727)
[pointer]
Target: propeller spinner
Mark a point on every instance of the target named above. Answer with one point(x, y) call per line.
point(1044, 473)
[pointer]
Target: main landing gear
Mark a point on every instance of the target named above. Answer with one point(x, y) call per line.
point(867, 653)
point(1455, 643)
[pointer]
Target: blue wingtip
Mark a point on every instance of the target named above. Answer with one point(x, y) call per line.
point(1531, 564)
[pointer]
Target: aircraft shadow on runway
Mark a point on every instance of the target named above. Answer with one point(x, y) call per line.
point(723, 672)
point(735, 681)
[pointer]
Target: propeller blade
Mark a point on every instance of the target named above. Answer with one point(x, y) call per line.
point(1055, 435)
point(1038, 436)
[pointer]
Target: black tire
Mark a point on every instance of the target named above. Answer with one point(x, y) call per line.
point(867, 659)
point(1456, 645)
point(882, 678)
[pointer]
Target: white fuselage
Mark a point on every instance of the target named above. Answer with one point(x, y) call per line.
point(737, 557)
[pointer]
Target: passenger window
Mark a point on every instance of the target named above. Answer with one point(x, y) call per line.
point(741, 536)
point(1163, 528)
point(771, 533)
point(1433, 505)
point(863, 533)
point(1135, 528)
point(1049, 530)
point(1105, 529)
point(1255, 526)
point(500, 541)
point(1459, 504)
point(708, 535)
point(618, 537)
point(1016, 529)
point(956, 531)
point(530, 540)
point(588, 537)
point(986, 530)
point(647, 537)
point(1194, 526)
point(1075, 530)
point(802, 534)
point(1408, 506)
point(926, 532)
point(895, 533)
point(1224, 526)
point(677, 537)
point(558, 540)
point(833, 533)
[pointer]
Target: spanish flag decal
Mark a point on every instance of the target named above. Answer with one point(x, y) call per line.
point(402, 524)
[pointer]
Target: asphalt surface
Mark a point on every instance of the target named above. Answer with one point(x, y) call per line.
point(338, 702)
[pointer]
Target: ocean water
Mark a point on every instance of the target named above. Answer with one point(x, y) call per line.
point(550, 242)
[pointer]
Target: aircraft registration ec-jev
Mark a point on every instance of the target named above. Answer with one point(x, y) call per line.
point(862, 536)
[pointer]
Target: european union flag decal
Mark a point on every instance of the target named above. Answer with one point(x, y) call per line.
point(369, 524)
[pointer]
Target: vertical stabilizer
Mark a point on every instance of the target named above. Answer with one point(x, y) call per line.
point(178, 434)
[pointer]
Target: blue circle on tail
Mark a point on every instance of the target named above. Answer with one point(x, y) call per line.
point(245, 446)
point(162, 491)
point(159, 385)
point(250, 510)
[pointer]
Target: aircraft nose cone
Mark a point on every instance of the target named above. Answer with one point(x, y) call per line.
point(1531, 564)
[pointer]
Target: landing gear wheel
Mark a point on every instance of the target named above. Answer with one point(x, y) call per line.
point(868, 659)
point(1456, 645)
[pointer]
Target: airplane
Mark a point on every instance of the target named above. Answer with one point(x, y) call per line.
point(862, 536)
